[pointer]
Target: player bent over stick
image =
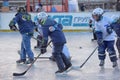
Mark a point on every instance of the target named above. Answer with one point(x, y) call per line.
point(105, 37)
point(50, 28)
point(26, 28)
point(65, 50)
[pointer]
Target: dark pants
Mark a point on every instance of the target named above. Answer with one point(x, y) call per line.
point(94, 35)
point(109, 46)
point(39, 37)
point(61, 59)
point(118, 45)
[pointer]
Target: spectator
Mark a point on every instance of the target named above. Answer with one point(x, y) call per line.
point(82, 7)
point(53, 9)
point(118, 5)
point(39, 8)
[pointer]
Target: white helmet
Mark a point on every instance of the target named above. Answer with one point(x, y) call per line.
point(97, 11)
point(42, 15)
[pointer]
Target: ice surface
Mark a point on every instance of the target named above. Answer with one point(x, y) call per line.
point(44, 69)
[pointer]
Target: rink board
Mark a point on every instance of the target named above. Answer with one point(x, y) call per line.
point(70, 21)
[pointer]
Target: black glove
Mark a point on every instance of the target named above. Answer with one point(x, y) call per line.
point(90, 25)
point(43, 49)
point(36, 29)
point(109, 30)
point(14, 28)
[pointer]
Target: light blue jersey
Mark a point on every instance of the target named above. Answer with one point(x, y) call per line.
point(101, 26)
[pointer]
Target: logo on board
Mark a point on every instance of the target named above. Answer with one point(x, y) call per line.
point(69, 20)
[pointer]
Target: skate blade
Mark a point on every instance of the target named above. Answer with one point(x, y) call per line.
point(37, 49)
point(102, 67)
point(116, 67)
point(77, 68)
point(69, 69)
point(61, 74)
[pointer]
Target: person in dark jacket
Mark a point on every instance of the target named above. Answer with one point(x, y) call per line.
point(50, 28)
point(26, 28)
point(116, 27)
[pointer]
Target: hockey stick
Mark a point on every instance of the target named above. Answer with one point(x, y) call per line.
point(38, 57)
point(20, 74)
point(88, 57)
point(91, 54)
point(35, 57)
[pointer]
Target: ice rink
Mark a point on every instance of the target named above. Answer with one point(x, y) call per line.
point(44, 69)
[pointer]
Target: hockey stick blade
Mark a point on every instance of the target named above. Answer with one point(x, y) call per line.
point(38, 57)
point(19, 74)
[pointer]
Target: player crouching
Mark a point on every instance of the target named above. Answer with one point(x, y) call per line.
point(50, 28)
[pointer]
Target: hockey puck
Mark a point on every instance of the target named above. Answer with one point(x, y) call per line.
point(80, 47)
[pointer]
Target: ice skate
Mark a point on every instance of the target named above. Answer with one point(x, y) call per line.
point(29, 61)
point(21, 61)
point(102, 63)
point(115, 64)
point(61, 72)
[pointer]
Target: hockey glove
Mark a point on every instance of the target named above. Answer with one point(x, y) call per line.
point(43, 49)
point(36, 29)
point(109, 30)
point(90, 25)
point(14, 28)
point(60, 26)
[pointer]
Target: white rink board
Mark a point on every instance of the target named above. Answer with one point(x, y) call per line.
point(69, 20)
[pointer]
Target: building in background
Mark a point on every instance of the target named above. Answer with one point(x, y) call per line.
point(108, 5)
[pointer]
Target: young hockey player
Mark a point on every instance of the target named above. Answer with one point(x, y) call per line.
point(50, 28)
point(116, 27)
point(40, 37)
point(65, 50)
point(105, 37)
point(26, 28)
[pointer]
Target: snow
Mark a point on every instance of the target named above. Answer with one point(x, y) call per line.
point(44, 69)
